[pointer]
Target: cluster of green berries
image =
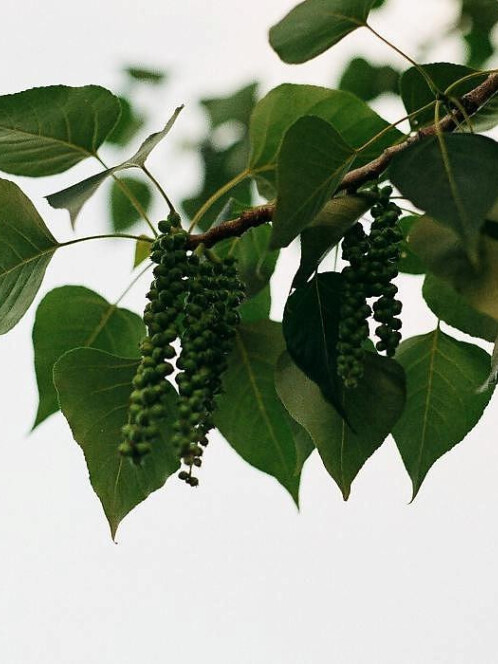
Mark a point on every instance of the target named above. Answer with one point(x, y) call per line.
point(211, 319)
point(191, 318)
point(372, 266)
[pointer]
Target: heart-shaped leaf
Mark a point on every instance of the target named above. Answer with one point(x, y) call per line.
point(94, 389)
point(443, 403)
point(311, 331)
point(73, 316)
point(47, 130)
point(312, 161)
point(249, 413)
point(26, 248)
point(314, 26)
point(372, 410)
point(453, 179)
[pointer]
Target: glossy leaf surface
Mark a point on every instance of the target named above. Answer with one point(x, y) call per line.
point(26, 248)
point(314, 26)
point(250, 415)
point(443, 403)
point(372, 410)
point(94, 388)
point(47, 130)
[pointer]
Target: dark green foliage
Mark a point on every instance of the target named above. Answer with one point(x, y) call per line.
point(205, 352)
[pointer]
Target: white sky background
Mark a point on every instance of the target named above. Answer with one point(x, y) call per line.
point(229, 573)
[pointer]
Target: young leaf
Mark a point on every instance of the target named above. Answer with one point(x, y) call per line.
point(326, 231)
point(453, 179)
point(94, 388)
point(74, 197)
point(47, 130)
point(453, 308)
point(123, 213)
point(443, 404)
point(249, 414)
point(142, 250)
point(314, 26)
point(73, 316)
point(26, 248)
point(372, 410)
point(311, 331)
point(273, 116)
point(312, 161)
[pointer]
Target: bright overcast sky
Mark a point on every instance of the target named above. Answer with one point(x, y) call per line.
point(229, 573)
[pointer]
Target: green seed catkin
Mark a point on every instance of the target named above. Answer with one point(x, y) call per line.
point(191, 318)
point(372, 266)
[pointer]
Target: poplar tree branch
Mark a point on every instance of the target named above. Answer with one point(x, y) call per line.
point(471, 103)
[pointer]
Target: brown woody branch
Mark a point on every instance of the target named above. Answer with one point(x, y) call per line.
point(471, 102)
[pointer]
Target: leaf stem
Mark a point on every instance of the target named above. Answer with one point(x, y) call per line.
point(433, 87)
point(131, 197)
point(105, 236)
point(170, 205)
point(132, 283)
point(217, 195)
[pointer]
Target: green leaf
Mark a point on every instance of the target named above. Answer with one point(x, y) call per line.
point(453, 308)
point(311, 330)
point(372, 410)
point(94, 389)
point(47, 130)
point(73, 198)
point(416, 94)
point(453, 179)
point(312, 161)
point(443, 404)
point(123, 213)
point(153, 76)
point(257, 307)
point(492, 378)
point(73, 316)
point(142, 250)
point(273, 116)
point(235, 107)
point(409, 262)
point(26, 248)
point(368, 81)
point(128, 125)
point(250, 415)
point(314, 26)
point(326, 231)
point(255, 261)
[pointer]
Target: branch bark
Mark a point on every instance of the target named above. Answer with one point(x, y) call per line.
point(471, 102)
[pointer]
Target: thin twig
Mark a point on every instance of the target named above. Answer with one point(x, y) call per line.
point(471, 103)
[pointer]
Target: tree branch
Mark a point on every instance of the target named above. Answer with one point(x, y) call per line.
point(471, 102)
